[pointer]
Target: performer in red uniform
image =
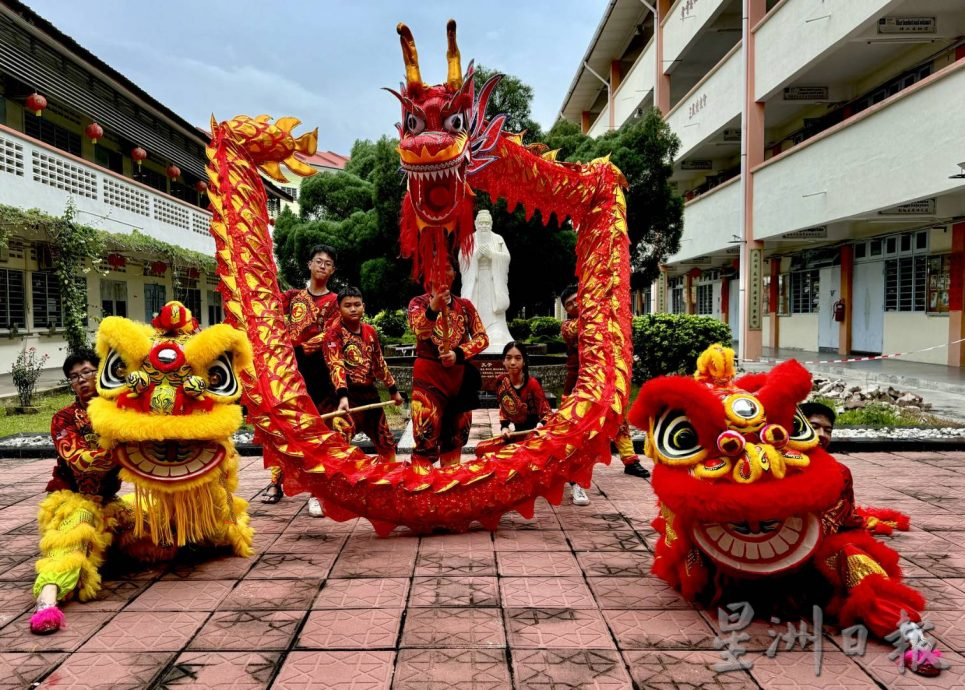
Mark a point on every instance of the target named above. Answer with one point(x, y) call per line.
point(308, 313)
point(81, 513)
point(570, 330)
point(522, 402)
point(354, 357)
point(449, 334)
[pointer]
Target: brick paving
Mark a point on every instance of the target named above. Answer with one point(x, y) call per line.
point(563, 601)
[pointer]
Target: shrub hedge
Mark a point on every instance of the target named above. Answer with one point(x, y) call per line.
point(670, 343)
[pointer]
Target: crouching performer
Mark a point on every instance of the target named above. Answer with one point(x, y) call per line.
point(162, 402)
point(752, 509)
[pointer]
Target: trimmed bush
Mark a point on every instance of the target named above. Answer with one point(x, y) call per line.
point(670, 343)
point(519, 329)
point(544, 329)
point(391, 322)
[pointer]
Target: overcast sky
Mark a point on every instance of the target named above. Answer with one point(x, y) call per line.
point(323, 61)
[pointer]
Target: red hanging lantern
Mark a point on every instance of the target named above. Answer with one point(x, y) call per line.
point(94, 132)
point(174, 172)
point(735, 264)
point(158, 268)
point(694, 273)
point(271, 221)
point(193, 274)
point(36, 103)
point(137, 155)
point(116, 260)
point(201, 186)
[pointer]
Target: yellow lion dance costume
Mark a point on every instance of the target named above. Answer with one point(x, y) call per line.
point(165, 413)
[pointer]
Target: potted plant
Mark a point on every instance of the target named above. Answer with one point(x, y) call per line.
point(26, 370)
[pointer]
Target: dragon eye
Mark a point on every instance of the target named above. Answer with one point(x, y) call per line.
point(113, 373)
point(414, 124)
point(676, 438)
point(455, 123)
point(802, 432)
point(221, 378)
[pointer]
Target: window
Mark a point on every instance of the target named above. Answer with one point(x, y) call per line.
point(905, 281)
point(152, 179)
point(154, 300)
point(114, 298)
point(47, 305)
point(803, 292)
point(189, 297)
point(274, 206)
point(111, 160)
point(939, 281)
point(676, 288)
point(705, 299)
point(215, 314)
point(12, 306)
point(46, 131)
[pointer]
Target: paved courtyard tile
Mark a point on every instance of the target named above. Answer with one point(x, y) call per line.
point(565, 600)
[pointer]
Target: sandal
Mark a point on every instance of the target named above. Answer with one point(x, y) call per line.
point(272, 494)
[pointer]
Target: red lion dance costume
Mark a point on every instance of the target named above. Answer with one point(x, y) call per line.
point(752, 509)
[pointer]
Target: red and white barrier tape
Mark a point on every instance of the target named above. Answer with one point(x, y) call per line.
point(870, 358)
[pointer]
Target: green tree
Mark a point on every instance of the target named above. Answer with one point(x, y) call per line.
point(644, 149)
point(334, 196)
point(512, 98)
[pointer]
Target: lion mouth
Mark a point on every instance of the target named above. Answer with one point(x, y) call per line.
point(764, 548)
point(170, 461)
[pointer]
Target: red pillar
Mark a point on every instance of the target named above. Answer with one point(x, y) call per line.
point(956, 297)
point(847, 291)
point(661, 91)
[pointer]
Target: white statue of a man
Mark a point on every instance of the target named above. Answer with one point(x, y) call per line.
point(485, 280)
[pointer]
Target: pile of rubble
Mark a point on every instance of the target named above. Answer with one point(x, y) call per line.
point(852, 397)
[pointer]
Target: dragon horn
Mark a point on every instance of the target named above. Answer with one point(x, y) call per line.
point(410, 56)
point(287, 124)
point(454, 79)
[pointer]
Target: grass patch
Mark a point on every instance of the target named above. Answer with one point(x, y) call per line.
point(878, 416)
point(38, 423)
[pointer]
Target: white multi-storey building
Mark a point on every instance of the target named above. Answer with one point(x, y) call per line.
point(822, 160)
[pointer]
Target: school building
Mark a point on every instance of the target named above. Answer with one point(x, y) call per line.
point(73, 130)
point(822, 161)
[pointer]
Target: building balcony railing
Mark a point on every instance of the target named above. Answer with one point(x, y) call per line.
point(710, 222)
point(712, 104)
point(36, 175)
point(636, 89)
point(683, 23)
point(798, 32)
point(897, 151)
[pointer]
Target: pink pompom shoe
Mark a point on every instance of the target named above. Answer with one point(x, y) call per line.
point(924, 662)
point(47, 619)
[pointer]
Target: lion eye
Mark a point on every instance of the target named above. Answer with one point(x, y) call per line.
point(802, 431)
point(221, 377)
point(113, 373)
point(675, 436)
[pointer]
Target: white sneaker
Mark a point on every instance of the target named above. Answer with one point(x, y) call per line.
point(579, 496)
point(315, 507)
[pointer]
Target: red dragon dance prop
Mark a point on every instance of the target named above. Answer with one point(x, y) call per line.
point(446, 144)
point(752, 509)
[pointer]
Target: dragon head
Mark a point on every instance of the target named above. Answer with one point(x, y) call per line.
point(167, 395)
point(737, 466)
point(270, 144)
point(443, 140)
